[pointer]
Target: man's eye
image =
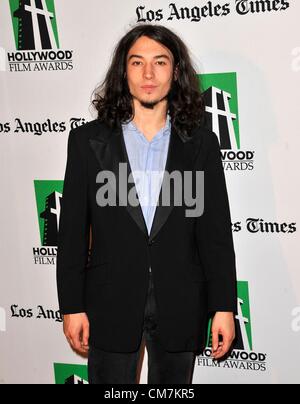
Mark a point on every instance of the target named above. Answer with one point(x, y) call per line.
point(161, 63)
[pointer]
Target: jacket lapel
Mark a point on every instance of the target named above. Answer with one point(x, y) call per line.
point(110, 150)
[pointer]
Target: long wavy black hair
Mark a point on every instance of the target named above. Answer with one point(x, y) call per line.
point(112, 98)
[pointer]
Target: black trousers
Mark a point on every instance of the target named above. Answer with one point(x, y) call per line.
point(163, 367)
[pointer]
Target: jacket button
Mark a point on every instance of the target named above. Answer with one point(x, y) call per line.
point(151, 242)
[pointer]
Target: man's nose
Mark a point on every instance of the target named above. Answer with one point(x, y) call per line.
point(148, 71)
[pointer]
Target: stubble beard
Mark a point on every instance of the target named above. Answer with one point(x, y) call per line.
point(151, 104)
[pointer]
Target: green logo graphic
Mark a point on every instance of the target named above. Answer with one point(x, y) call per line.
point(48, 199)
point(70, 374)
point(243, 318)
point(34, 24)
point(242, 321)
point(221, 100)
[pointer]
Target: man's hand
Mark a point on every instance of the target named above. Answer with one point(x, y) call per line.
point(77, 331)
point(224, 325)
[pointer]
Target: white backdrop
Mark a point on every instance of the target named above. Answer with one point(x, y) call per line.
point(40, 101)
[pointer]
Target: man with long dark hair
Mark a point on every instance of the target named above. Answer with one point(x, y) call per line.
point(155, 274)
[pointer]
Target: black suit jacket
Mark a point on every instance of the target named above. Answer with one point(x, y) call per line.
point(192, 259)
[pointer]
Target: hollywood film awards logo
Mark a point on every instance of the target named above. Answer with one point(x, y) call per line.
point(70, 374)
point(48, 199)
point(242, 357)
point(222, 117)
point(36, 37)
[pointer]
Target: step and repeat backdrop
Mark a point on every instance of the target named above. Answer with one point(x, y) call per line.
point(53, 53)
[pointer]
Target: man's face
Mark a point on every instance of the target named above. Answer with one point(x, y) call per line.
point(149, 71)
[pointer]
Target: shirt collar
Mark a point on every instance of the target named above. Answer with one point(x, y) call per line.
point(166, 130)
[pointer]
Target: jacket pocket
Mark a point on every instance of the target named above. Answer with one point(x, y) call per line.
point(96, 260)
point(97, 273)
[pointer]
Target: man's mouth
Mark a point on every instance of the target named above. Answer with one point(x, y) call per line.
point(149, 87)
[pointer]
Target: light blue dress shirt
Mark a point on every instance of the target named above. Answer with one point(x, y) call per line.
point(147, 161)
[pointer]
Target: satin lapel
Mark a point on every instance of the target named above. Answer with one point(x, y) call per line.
point(181, 157)
point(110, 150)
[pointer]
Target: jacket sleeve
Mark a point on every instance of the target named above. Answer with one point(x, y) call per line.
point(214, 235)
point(73, 234)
